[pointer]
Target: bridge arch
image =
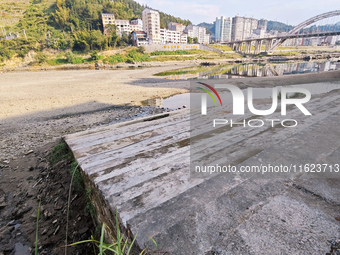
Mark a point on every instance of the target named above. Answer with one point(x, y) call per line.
point(313, 20)
point(306, 23)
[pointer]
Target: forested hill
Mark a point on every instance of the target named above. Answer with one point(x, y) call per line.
point(80, 14)
point(40, 16)
point(65, 24)
point(279, 26)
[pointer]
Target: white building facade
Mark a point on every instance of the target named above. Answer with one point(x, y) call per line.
point(242, 27)
point(223, 29)
point(136, 25)
point(170, 36)
point(199, 33)
point(123, 26)
point(151, 25)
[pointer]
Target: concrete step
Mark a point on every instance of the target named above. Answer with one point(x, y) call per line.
point(141, 167)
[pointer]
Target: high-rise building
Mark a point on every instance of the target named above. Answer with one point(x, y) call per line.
point(242, 27)
point(151, 25)
point(198, 32)
point(223, 29)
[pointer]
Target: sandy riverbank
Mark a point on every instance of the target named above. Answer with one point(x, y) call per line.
point(36, 94)
point(67, 92)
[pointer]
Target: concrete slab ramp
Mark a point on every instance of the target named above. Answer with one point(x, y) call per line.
point(141, 168)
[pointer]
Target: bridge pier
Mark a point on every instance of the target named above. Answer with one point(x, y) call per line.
point(269, 44)
point(265, 70)
point(255, 70)
point(247, 48)
point(258, 44)
point(245, 70)
point(239, 47)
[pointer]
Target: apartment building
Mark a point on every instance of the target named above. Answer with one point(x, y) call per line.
point(151, 25)
point(198, 32)
point(136, 25)
point(107, 18)
point(176, 26)
point(223, 29)
point(139, 38)
point(171, 36)
point(123, 26)
point(242, 27)
point(184, 38)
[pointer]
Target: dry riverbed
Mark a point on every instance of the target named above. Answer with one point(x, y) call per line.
point(38, 108)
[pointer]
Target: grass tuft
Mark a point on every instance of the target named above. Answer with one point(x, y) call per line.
point(119, 247)
point(60, 152)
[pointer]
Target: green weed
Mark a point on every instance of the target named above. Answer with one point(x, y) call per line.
point(119, 247)
point(60, 152)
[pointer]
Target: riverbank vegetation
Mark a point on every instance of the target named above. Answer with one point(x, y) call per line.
point(42, 26)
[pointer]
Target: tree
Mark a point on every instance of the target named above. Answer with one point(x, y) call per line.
point(124, 40)
point(94, 55)
point(189, 39)
point(110, 28)
point(81, 40)
point(141, 49)
point(195, 40)
point(97, 40)
point(62, 15)
point(69, 56)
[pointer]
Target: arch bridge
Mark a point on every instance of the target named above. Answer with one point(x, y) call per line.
point(272, 43)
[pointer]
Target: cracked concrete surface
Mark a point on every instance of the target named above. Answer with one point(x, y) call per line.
point(295, 214)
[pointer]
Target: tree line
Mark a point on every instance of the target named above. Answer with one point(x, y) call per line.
point(72, 24)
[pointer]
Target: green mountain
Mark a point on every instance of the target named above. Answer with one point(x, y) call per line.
point(210, 27)
point(279, 26)
point(65, 24)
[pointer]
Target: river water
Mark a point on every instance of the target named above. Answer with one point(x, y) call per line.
point(230, 71)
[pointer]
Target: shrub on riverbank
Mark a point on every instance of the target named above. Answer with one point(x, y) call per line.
point(130, 57)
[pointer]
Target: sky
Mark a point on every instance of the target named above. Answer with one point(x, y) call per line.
point(288, 11)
